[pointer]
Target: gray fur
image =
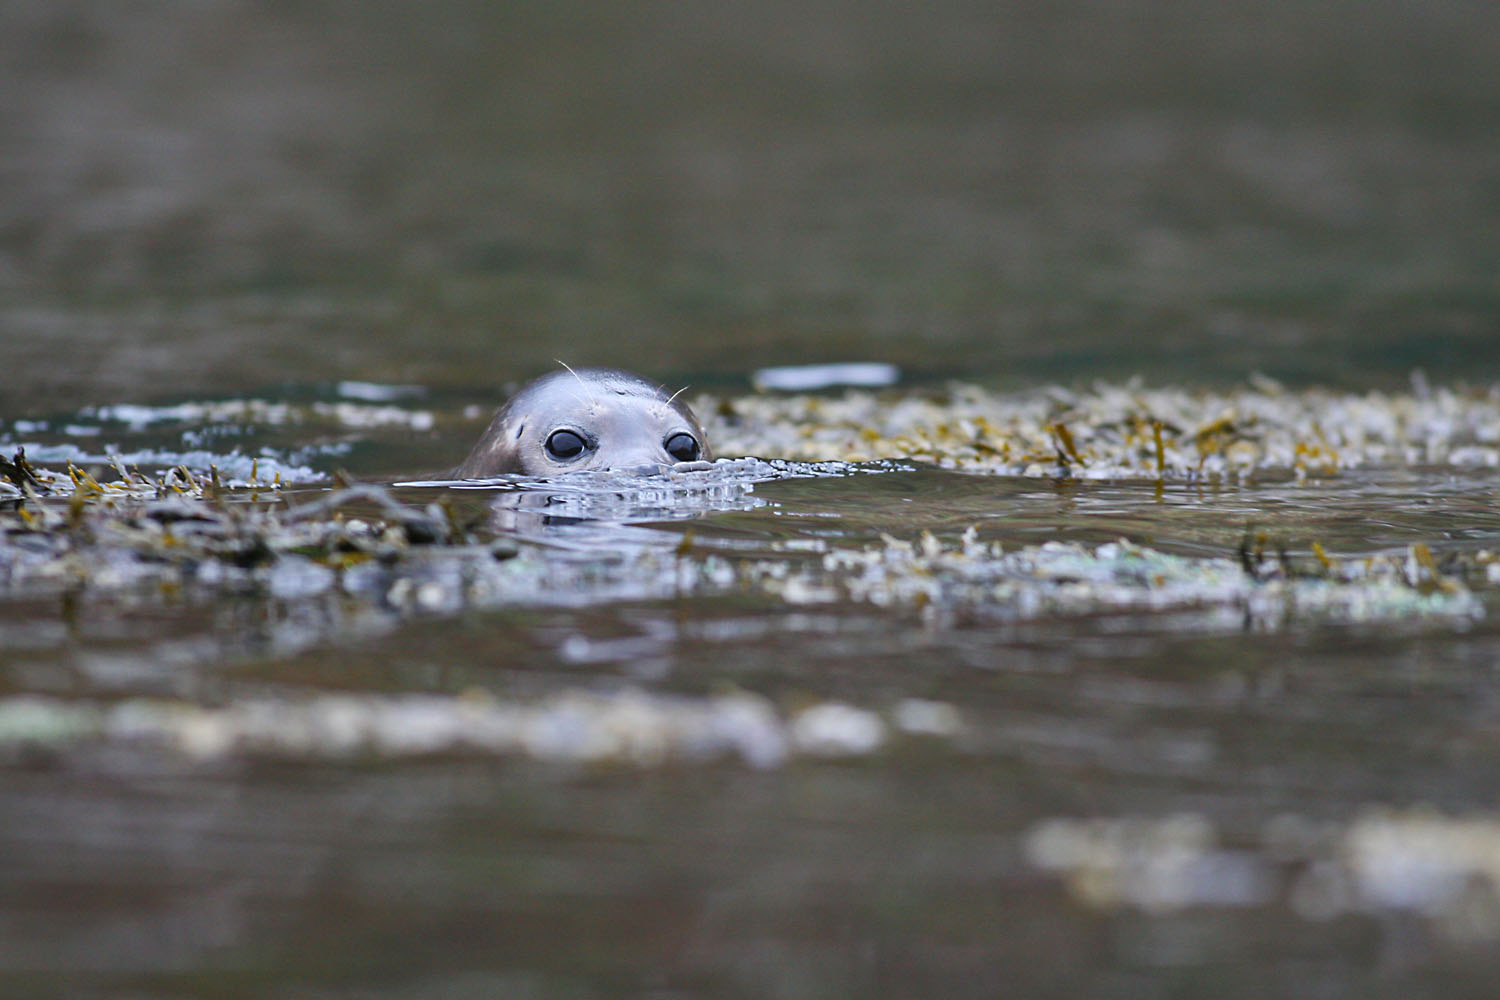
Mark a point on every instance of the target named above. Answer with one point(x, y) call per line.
point(626, 419)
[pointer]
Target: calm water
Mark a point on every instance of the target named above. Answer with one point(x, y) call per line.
point(211, 204)
point(217, 197)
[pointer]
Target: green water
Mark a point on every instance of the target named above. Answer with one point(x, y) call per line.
point(211, 204)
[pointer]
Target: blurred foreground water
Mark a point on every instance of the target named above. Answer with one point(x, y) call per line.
point(1107, 715)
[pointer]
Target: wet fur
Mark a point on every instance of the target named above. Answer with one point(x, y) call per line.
point(622, 411)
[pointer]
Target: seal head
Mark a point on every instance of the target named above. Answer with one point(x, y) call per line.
point(591, 418)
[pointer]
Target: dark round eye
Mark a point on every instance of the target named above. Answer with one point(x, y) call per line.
point(565, 445)
point(683, 447)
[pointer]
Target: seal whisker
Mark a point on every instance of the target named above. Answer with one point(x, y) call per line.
point(571, 371)
point(674, 395)
point(581, 400)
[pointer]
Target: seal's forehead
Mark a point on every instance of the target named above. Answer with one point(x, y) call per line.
point(596, 398)
point(591, 389)
point(621, 383)
point(586, 383)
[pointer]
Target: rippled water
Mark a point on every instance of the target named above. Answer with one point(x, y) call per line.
point(784, 728)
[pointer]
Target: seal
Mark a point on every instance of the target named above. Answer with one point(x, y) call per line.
point(591, 418)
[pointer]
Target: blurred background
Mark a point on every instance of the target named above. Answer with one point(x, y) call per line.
point(224, 195)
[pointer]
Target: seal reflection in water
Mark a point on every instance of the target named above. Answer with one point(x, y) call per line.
point(591, 418)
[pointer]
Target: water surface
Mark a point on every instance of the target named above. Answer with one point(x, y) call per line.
point(915, 702)
point(1140, 725)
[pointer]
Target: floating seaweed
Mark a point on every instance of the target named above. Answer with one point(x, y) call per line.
point(1121, 431)
point(184, 530)
point(20, 472)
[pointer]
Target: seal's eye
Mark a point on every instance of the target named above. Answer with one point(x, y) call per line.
point(565, 445)
point(682, 447)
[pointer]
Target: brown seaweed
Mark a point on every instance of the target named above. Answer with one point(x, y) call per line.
point(20, 472)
